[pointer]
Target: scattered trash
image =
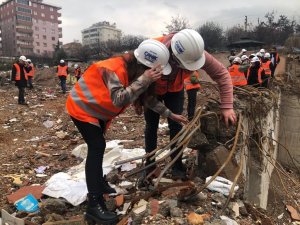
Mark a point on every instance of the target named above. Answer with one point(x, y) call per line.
point(228, 220)
point(80, 151)
point(194, 218)
point(294, 213)
point(27, 204)
point(280, 216)
point(43, 154)
point(8, 219)
point(41, 169)
point(141, 207)
point(16, 178)
point(48, 124)
point(13, 120)
point(128, 166)
point(160, 126)
point(221, 185)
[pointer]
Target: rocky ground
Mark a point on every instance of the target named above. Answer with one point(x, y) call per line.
point(42, 134)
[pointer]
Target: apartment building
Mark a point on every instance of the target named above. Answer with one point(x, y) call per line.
point(29, 27)
point(100, 32)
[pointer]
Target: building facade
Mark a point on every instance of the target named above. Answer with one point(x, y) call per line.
point(100, 32)
point(29, 27)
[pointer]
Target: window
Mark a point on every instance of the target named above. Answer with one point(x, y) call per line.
point(25, 10)
point(38, 51)
point(44, 29)
point(51, 9)
point(53, 38)
point(44, 37)
point(42, 6)
point(52, 17)
point(52, 31)
point(37, 36)
point(24, 18)
point(45, 44)
point(38, 44)
point(23, 2)
point(34, 13)
point(36, 28)
point(43, 14)
point(34, 4)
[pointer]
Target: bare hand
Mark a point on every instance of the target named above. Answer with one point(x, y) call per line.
point(229, 116)
point(179, 118)
point(154, 73)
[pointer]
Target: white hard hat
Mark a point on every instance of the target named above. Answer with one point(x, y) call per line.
point(267, 55)
point(244, 50)
point(255, 59)
point(76, 66)
point(244, 57)
point(61, 61)
point(259, 54)
point(151, 53)
point(262, 51)
point(29, 60)
point(188, 47)
point(23, 58)
point(237, 60)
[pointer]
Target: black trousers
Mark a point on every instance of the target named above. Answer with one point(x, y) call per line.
point(21, 97)
point(63, 84)
point(30, 82)
point(192, 100)
point(93, 136)
point(173, 101)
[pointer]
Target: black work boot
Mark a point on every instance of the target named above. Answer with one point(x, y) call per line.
point(179, 171)
point(96, 211)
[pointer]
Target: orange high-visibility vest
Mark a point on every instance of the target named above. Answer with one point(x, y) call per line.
point(237, 77)
point(31, 72)
point(18, 72)
point(266, 67)
point(188, 85)
point(90, 98)
point(62, 70)
point(258, 75)
point(163, 86)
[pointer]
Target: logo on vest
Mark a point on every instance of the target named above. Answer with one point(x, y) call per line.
point(179, 48)
point(150, 56)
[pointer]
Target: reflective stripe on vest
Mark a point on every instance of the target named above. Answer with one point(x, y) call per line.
point(237, 77)
point(266, 67)
point(62, 70)
point(90, 98)
point(31, 72)
point(18, 72)
point(258, 75)
point(188, 85)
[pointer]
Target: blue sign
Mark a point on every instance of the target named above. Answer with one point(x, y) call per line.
point(179, 48)
point(150, 56)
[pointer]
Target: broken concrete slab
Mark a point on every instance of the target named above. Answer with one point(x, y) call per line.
point(36, 191)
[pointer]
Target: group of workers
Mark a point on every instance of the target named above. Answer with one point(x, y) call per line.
point(152, 78)
point(255, 70)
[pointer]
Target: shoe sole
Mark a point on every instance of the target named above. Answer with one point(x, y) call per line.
point(91, 220)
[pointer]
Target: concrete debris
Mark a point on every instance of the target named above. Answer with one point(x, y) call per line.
point(221, 185)
point(36, 191)
point(228, 220)
point(8, 219)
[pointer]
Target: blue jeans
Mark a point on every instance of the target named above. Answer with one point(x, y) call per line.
point(63, 85)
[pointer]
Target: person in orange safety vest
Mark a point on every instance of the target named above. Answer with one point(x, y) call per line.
point(18, 75)
point(255, 73)
point(103, 92)
point(77, 71)
point(268, 67)
point(62, 73)
point(191, 86)
point(237, 73)
point(30, 75)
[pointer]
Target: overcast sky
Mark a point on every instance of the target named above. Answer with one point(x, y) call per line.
point(149, 17)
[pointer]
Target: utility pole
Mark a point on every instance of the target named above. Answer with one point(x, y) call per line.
point(258, 21)
point(246, 23)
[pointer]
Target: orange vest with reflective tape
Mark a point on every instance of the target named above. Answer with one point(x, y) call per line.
point(90, 100)
point(62, 70)
point(188, 85)
point(237, 77)
point(31, 72)
point(266, 67)
point(18, 72)
point(162, 86)
point(258, 75)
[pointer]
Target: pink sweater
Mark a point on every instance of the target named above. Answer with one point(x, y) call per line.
point(220, 75)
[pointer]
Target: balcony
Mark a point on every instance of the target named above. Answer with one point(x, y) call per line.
point(25, 46)
point(24, 31)
point(60, 29)
point(59, 22)
point(58, 14)
point(22, 22)
point(24, 38)
point(60, 35)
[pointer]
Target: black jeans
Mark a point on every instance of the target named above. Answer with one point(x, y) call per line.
point(173, 101)
point(21, 98)
point(93, 136)
point(63, 85)
point(192, 100)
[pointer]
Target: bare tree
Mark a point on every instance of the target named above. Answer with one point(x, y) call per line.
point(212, 34)
point(177, 23)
